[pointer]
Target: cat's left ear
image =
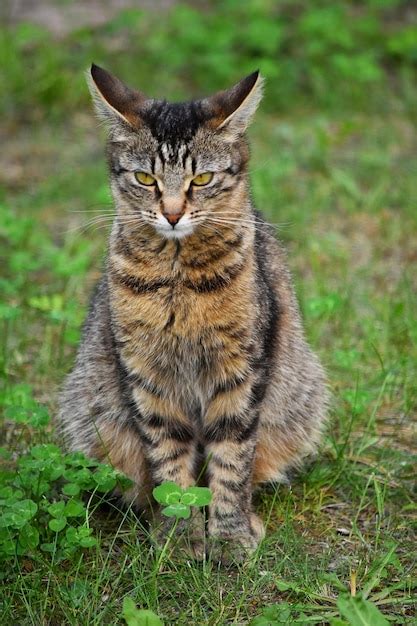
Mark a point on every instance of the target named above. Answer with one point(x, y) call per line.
point(232, 109)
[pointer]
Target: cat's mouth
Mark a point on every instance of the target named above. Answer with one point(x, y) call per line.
point(174, 231)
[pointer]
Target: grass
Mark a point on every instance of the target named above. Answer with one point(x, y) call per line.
point(341, 187)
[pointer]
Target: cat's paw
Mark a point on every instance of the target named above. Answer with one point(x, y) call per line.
point(188, 536)
point(235, 545)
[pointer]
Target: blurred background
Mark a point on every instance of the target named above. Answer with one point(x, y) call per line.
point(334, 168)
point(329, 54)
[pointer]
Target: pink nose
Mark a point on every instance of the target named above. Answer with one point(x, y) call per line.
point(173, 218)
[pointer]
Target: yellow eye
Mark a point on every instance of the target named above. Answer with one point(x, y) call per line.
point(145, 179)
point(202, 179)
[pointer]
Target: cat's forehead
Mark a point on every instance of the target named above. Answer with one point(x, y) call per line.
point(175, 137)
point(174, 124)
point(182, 133)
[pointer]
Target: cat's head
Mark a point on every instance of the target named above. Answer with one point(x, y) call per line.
point(176, 166)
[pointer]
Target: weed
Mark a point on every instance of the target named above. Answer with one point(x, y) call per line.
point(139, 617)
point(178, 502)
point(43, 497)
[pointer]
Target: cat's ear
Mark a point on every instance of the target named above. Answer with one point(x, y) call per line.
point(233, 108)
point(114, 101)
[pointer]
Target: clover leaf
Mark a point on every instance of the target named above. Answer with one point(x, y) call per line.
point(167, 493)
point(25, 508)
point(71, 489)
point(56, 509)
point(74, 508)
point(105, 478)
point(57, 523)
point(197, 496)
point(180, 500)
point(28, 537)
point(177, 510)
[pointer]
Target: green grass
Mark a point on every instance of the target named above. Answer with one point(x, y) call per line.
point(341, 187)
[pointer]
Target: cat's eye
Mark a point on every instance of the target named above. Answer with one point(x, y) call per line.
point(202, 179)
point(145, 179)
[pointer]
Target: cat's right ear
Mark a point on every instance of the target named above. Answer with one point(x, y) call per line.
point(113, 100)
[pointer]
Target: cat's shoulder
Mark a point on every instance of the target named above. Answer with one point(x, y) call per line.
point(271, 255)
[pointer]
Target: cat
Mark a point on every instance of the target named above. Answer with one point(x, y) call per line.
point(193, 353)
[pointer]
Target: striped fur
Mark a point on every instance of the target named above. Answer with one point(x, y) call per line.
point(193, 350)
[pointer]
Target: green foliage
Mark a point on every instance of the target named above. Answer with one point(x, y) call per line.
point(273, 616)
point(403, 44)
point(139, 617)
point(23, 297)
point(360, 612)
point(180, 500)
point(21, 408)
point(327, 52)
point(43, 496)
point(355, 609)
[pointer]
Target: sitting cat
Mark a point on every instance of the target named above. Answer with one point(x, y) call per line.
point(193, 351)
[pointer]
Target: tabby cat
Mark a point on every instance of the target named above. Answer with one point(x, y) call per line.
point(193, 353)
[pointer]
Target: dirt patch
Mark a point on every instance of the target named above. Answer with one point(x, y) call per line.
point(63, 16)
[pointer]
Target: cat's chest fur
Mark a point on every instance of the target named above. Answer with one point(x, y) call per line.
point(181, 314)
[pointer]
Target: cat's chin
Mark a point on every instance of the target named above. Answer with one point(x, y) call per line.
point(175, 233)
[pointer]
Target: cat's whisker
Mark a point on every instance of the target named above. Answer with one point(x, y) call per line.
point(213, 228)
point(102, 217)
point(232, 223)
point(83, 227)
point(203, 220)
point(275, 226)
point(216, 215)
point(97, 223)
point(98, 210)
point(101, 213)
point(130, 216)
point(101, 221)
point(235, 220)
point(91, 222)
point(94, 229)
point(133, 224)
point(247, 216)
point(253, 219)
point(102, 207)
point(137, 216)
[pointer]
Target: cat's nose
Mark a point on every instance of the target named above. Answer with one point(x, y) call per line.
point(173, 218)
point(173, 208)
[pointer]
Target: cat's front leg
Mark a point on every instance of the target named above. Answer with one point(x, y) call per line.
point(167, 437)
point(169, 443)
point(230, 438)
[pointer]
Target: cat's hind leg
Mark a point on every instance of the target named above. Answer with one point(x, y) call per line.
point(290, 428)
point(120, 446)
